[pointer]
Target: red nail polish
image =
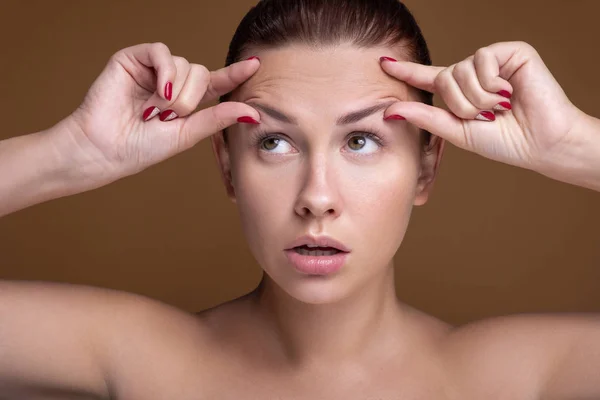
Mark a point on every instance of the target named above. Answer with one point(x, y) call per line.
point(150, 113)
point(486, 116)
point(168, 115)
point(503, 106)
point(253, 58)
point(388, 59)
point(505, 93)
point(168, 91)
point(248, 120)
point(395, 117)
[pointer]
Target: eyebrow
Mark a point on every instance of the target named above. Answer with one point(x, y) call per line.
point(349, 118)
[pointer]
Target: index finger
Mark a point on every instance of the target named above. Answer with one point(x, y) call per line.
point(152, 55)
point(416, 75)
point(224, 80)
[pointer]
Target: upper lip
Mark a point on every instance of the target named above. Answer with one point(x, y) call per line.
point(321, 241)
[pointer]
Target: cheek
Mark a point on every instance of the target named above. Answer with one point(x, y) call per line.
point(265, 196)
point(380, 201)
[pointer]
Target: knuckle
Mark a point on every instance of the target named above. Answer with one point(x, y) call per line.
point(463, 111)
point(180, 62)
point(185, 106)
point(201, 71)
point(443, 79)
point(480, 100)
point(483, 52)
point(527, 48)
point(202, 75)
point(160, 47)
point(460, 71)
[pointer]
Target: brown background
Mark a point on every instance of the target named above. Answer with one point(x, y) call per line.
point(493, 239)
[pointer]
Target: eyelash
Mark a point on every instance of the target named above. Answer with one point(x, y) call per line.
point(261, 135)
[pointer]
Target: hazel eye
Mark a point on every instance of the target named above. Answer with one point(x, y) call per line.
point(357, 142)
point(270, 144)
point(362, 144)
point(275, 145)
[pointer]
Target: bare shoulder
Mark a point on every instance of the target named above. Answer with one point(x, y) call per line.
point(158, 350)
point(102, 342)
point(515, 355)
point(146, 347)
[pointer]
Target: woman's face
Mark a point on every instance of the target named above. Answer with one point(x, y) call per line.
point(306, 170)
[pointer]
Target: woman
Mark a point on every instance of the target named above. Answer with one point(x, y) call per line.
point(325, 143)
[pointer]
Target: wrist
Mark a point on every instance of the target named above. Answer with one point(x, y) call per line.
point(580, 165)
point(75, 164)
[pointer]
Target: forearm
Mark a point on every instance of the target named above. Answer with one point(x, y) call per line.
point(34, 169)
point(581, 166)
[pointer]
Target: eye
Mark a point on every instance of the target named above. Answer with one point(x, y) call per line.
point(276, 145)
point(365, 143)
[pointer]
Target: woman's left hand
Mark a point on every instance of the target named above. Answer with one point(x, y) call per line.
point(505, 105)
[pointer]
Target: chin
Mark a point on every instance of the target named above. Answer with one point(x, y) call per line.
point(312, 289)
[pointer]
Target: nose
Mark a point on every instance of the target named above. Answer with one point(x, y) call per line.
point(319, 196)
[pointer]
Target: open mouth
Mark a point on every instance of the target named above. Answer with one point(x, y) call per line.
point(316, 251)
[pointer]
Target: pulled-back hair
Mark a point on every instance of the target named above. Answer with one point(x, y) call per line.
point(319, 23)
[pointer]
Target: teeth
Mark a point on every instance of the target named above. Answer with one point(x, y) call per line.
point(316, 253)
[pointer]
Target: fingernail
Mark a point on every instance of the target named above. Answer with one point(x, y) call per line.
point(504, 106)
point(505, 93)
point(168, 91)
point(487, 116)
point(395, 117)
point(168, 115)
point(150, 113)
point(388, 59)
point(253, 58)
point(248, 120)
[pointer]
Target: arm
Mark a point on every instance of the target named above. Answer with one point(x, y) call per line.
point(581, 161)
point(48, 335)
point(33, 168)
point(576, 372)
point(536, 127)
point(112, 135)
point(545, 356)
point(73, 341)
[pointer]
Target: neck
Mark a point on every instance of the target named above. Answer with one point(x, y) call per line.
point(354, 328)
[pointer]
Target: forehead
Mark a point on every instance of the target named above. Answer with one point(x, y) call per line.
point(322, 79)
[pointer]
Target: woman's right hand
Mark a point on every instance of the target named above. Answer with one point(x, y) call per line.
point(125, 123)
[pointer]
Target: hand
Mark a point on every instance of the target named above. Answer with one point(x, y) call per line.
point(505, 105)
point(139, 111)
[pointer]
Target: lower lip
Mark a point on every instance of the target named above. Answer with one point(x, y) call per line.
point(317, 265)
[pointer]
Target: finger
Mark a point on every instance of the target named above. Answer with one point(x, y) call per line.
point(157, 56)
point(465, 75)
point(190, 95)
point(211, 120)
point(226, 79)
point(487, 62)
point(157, 105)
point(455, 99)
point(416, 75)
point(432, 119)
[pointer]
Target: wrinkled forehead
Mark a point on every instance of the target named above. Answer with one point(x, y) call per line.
point(322, 80)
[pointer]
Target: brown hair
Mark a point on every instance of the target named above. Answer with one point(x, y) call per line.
point(317, 23)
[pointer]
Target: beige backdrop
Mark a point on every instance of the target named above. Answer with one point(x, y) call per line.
point(493, 240)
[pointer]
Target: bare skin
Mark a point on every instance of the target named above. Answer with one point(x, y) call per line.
point(292, 338)
point(133, 347)
point(499, 359)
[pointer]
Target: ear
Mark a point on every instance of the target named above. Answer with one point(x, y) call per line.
point(221, 151)
point(430, 165)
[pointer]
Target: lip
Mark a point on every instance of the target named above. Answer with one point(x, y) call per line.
point(321, 241)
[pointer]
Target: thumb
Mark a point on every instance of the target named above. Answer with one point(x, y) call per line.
point(211, 120)
point(432, 119)
point(414, 74)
